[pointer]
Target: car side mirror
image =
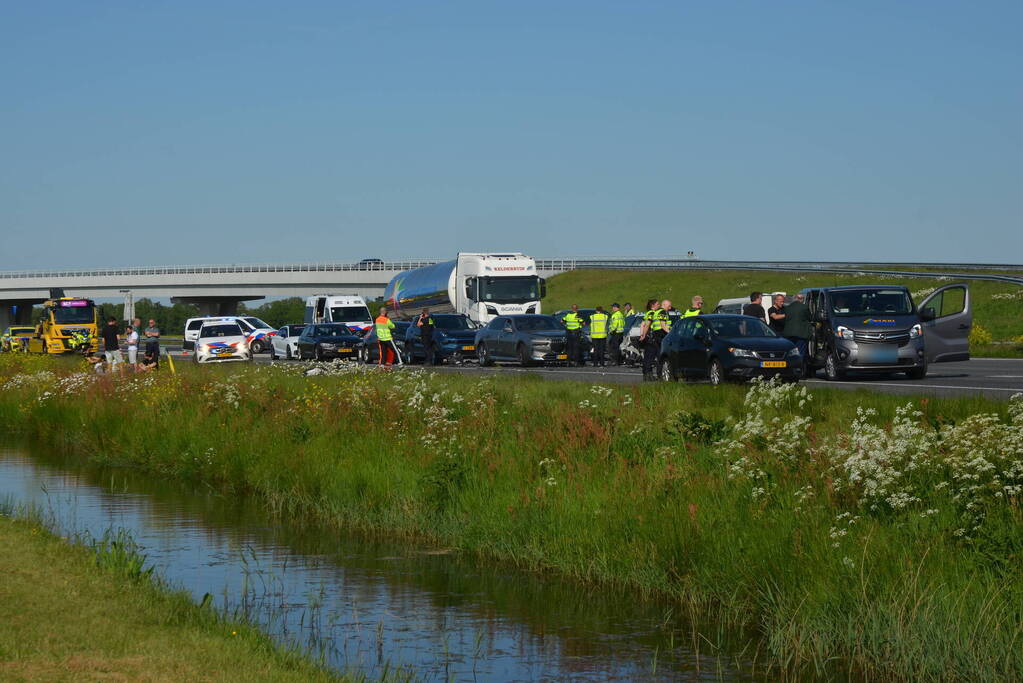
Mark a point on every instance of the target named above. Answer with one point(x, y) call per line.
point(927, 314)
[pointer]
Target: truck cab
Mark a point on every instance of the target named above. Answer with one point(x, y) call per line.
point(874, 328)
point(489, 285)
point(68, 324)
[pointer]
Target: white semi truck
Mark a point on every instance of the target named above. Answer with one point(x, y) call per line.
point(480, 286)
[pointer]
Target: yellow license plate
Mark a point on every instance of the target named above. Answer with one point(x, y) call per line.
point(345, 350)
point(773, 364)
point(562, 356)
point(468, 348)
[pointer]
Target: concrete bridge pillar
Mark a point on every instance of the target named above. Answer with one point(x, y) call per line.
point(215, 305)
point(16, 312)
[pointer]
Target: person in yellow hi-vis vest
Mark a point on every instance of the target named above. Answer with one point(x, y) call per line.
point(616, 332)
point(385, 340)
point(574, 326)
point(598, 335)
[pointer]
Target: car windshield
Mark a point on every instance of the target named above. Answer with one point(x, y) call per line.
point(331, 331)
point(224, 330)
point(871, 302)
point(295, 330)
point(349, 314)
point(744, 326)
point(539, 323)
point(84, 313)
point(509, 290)
point(257, 323)
point(452, 322)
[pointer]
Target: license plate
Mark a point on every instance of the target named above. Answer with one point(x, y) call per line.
point(223, 352)
point(880, 354)
point(562, 356)
point(773, 364)
point(468, 348)
point(345, 350)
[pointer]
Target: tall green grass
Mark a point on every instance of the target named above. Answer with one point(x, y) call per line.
point(621, 486)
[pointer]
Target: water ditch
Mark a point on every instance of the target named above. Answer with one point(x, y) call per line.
point(374, 606)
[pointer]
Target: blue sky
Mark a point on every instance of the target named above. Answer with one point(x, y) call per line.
point(231, 132)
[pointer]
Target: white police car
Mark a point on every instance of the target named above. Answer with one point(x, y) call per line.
point(221, 340)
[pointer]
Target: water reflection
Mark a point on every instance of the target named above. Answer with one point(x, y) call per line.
point(369, 604)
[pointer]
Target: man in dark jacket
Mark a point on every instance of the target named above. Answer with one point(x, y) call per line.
point(797, 326)
point(754, 308)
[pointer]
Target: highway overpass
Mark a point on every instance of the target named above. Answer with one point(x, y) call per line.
point(217, 289)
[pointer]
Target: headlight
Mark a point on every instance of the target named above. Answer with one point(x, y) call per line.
point(326, 345)
point(204, 347)
point(793, 352)
point(741, 353)
point(844, 332)
point(916, 331)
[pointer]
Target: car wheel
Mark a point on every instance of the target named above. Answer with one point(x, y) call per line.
point(256, 347)
point(485, 359)
point(716, 372)
point(831, 369)
point(524, 357)
point(917, 373)
point(667, 374)
point(318, 354)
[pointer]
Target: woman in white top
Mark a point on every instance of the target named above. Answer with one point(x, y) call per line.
point(133, 347)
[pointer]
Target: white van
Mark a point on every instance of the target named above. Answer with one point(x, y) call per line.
point(349, 309)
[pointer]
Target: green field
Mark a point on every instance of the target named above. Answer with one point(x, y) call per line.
point(998, 307)
point(72, 613)
point(853, 531)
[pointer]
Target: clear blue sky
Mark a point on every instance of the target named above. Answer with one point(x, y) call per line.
point(230, 132)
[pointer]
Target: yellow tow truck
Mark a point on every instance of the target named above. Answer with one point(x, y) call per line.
point(68, 325)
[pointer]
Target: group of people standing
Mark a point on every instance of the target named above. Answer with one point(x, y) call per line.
point(606, 332)
point(113, 359)
point(790, 320)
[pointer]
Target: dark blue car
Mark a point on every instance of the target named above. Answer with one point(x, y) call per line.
point(454, 338)
point(727, 347)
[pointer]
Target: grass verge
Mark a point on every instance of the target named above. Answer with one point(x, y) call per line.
point(881, 532)
point(69, 612)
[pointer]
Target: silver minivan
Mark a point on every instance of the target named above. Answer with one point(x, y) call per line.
point(874, 328)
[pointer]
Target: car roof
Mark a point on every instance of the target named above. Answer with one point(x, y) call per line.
point(839, 288)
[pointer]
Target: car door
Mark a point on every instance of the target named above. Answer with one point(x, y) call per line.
point(681, 349)
point(280, 341)
point(698, 350)
point(947, 335)
point(506, 339)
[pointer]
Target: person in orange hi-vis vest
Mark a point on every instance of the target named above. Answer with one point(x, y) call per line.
point(385, 340)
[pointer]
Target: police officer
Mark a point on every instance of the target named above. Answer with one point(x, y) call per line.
point(598, 333)
point(574, 324)
point(617, 330)
point(696, 308)
point(425, 325)
point(649, 338)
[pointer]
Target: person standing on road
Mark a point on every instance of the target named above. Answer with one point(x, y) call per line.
point(617, 331)
point(598, 334)
point(425, 325)
point(776, 314)
point(627, 310)
point(385, 340)
point(754, 309)
point(112, 345)
point(152, 335)
point(648, 339)
point(797, 328)
point(666, 309)
point(696, 307)
point(574, 325)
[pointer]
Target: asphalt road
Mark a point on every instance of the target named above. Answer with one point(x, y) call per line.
point(997, 378)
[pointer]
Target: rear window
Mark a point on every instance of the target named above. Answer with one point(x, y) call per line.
point(222, 330)
point(195, 324)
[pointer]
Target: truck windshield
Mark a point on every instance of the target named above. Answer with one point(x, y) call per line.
point(77, 314)
point(349, 314)
point(871, 302)
point(452, 322)
point(510, 290)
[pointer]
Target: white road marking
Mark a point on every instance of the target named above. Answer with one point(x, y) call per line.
point(1006, 376)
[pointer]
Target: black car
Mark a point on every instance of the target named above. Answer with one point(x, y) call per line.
point(454, 338)
point(526, 339)
point(368, 351)
point(327, 340)
point(724, 347)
